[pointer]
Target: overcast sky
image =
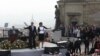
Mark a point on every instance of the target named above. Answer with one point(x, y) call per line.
point(16, 12)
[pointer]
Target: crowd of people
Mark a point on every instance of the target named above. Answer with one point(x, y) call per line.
point(85, 35)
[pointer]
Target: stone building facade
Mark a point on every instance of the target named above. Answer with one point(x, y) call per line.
point(74, 12)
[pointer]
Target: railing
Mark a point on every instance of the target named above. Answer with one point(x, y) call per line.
point(4, 32)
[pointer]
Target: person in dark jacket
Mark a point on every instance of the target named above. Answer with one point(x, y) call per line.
point(77, 46)
point(62, 28)
point(70, 47)
point(32, 35)
point(13, 34)
point(97, 43)
point(86, 42)
point(68, 53)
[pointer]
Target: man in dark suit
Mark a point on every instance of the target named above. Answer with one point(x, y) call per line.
point(70, 46)
point(13, 34)
point(77, 45)
point(32, 35)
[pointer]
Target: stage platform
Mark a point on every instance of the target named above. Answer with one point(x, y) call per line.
point(27, 52)
point(34, 52)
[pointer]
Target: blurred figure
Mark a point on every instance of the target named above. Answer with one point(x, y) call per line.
point(76, 32)
point(62, 28)
point(71, 48)
point(97, 43)
point(70, 31)
point(32, 35)
point(13, 34)
point(68, 53)
point(97, 46)
point(41, 32)
point(86, 42)
point(77, 45)
point(53, 41)
point(82, 34)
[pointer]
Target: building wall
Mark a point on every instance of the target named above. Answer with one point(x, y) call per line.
point(73, 8)
point(91, 11)
point(86, 9)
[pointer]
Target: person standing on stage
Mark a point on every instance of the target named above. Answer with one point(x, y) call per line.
point(32, 35)
point(41, 32)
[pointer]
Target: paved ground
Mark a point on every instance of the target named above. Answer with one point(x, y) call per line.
point(72, 38)
point(82, 45)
